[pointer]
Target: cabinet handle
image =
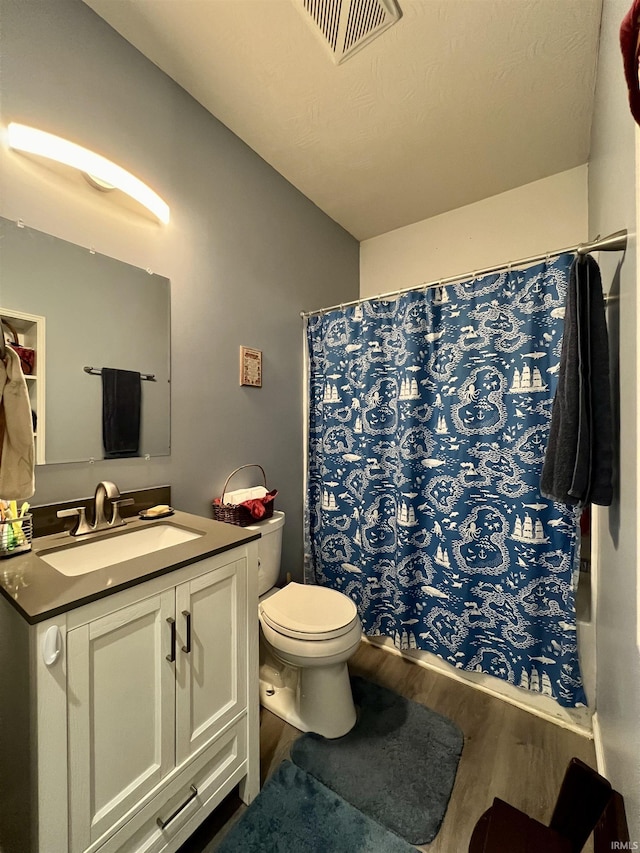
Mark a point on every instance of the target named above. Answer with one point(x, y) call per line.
point(187, 647)
point(164, 823)
point(172, 654)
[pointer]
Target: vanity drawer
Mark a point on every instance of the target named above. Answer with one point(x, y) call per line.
point(213, 773)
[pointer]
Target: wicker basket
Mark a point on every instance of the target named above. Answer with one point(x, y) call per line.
point(236, 514)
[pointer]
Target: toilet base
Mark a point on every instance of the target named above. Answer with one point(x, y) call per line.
point(312, 700)
point(281, 701)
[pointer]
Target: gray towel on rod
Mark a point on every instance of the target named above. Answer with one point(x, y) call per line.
point(121, 403)
point(578, 464)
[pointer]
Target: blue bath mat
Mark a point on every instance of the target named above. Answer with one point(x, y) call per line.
point(397, 765)
point(295, 813)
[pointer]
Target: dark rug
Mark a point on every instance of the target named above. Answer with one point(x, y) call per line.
point(397, 765)
point(294, 813)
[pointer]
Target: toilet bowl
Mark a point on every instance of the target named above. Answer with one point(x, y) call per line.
point(307, 635)
point(313, 631)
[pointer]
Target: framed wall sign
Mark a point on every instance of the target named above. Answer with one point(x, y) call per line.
point(251, 367)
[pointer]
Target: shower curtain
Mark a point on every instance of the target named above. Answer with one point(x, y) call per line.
point(428, 420)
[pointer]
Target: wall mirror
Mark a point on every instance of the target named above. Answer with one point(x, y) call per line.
point(81, 309)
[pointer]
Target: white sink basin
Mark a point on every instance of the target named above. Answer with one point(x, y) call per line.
point(86, 557)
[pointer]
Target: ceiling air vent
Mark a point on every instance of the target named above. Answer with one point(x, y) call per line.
point(348, 25)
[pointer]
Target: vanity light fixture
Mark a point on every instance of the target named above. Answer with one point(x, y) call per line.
point(99, 171)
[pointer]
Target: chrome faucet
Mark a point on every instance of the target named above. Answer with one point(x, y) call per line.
point(104, 489)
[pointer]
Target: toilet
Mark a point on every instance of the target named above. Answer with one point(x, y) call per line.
point(307, 635)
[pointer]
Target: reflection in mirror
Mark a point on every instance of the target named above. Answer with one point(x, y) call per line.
point(76, 308)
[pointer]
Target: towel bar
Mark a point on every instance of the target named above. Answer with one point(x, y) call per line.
point(97, 371)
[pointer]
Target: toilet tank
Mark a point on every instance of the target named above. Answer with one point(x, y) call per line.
point(269, 550)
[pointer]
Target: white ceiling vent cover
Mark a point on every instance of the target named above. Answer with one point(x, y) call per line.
point(345, 26)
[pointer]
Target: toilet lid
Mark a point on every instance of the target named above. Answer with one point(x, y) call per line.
point(304, 612)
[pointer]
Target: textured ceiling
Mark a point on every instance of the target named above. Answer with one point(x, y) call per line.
point(460, 100)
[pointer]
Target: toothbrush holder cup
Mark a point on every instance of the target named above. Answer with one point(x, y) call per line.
point(16, 535)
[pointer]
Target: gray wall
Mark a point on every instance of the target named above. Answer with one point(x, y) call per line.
point(612, 187)
point(244, 250)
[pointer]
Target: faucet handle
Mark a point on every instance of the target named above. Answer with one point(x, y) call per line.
point(116, 519)
point(79, 526)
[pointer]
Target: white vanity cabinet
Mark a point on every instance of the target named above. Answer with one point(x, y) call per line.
point(121, 715)
point(149, 716)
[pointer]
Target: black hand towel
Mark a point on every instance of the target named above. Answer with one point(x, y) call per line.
point(601, 481)
point(121, 401)
point(578, 463)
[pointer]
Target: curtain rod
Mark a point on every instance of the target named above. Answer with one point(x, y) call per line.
point(616, 242)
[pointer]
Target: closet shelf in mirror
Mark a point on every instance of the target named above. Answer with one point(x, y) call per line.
point(30, 332)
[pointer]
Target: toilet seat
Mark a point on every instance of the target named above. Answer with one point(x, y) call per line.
point(309, 612)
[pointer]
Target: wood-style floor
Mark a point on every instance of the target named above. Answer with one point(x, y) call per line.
point(508, 753)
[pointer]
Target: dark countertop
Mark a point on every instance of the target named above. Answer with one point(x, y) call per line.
point(39, 592)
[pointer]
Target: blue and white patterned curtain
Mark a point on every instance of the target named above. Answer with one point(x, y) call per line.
point(428, 422)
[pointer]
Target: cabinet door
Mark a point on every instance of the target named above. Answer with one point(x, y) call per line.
point(212, 657)
point(121, 690)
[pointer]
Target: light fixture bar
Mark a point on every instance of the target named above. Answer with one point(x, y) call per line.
point(33, 141)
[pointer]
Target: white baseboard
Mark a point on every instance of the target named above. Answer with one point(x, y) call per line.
point(597, 742)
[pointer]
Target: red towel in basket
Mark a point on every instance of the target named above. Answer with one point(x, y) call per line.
point(257, 506)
